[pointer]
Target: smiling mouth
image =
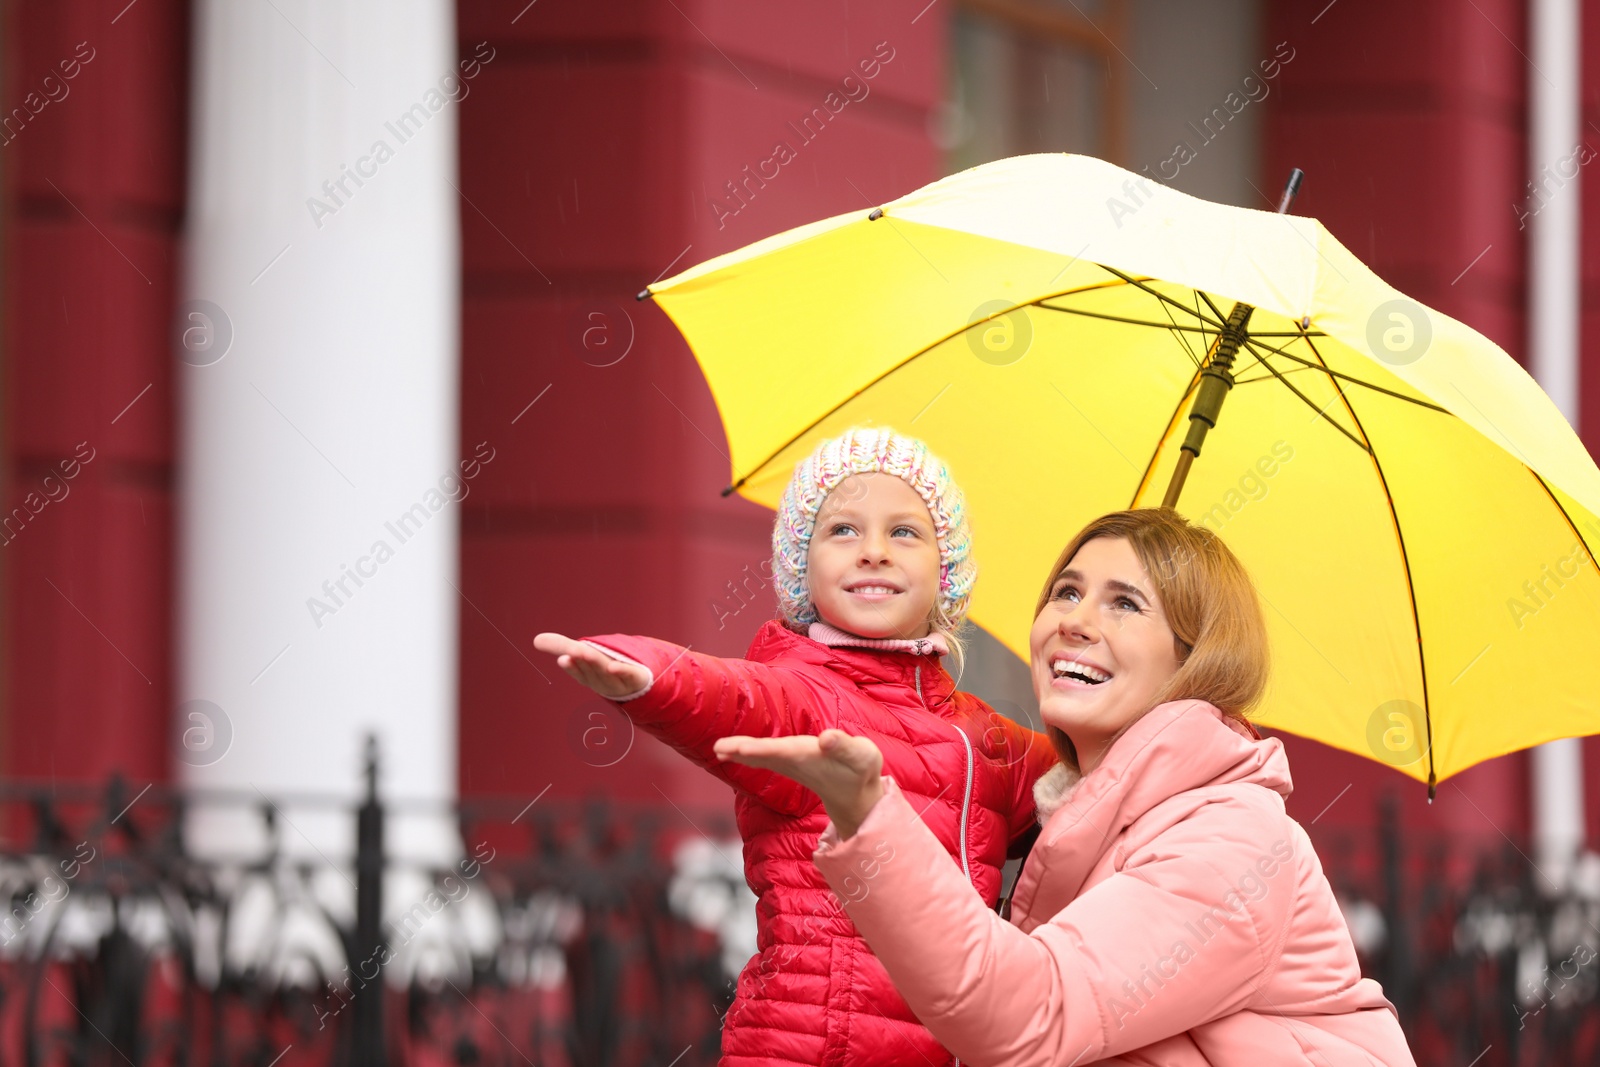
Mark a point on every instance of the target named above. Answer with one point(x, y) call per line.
point(871, 589)
point(1078, 672)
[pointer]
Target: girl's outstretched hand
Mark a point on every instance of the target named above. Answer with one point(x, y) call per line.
point(611, 678)
point(845, 771)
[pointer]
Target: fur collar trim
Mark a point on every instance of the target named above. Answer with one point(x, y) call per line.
point(1053, 789)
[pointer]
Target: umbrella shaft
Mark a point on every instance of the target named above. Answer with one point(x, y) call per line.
point(1215, 381)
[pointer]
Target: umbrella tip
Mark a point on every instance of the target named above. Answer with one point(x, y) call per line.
point(1433, 786)
point(877, 213)
point(727, 490)
point(1290, 189)
point(643, 294)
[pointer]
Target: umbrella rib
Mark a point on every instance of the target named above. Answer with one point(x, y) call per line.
point(1170, 324)
point(1119, 318)
point(1178, 333)
point(734, 486)
point(1268, 377)
point(1174, 328)
point(1405, 562)
point(1198, 315)
point(820, 419)
point(1324, 368)
point(1365, 446)
point(1203, 295)
point(1165, 299)
point(1570, 524)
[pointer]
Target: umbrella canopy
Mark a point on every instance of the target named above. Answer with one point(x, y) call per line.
point(1420, 520)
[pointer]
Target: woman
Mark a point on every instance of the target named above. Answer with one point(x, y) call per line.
point(1171, 913)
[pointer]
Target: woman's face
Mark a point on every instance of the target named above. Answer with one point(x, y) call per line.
point(1101, 648)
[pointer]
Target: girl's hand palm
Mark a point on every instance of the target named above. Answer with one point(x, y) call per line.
point(609, 677)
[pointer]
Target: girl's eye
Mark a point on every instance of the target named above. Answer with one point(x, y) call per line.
point(842, 529)
point(898, 530)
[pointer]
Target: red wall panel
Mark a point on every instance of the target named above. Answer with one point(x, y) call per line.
point(92, 201)
point(593, 147)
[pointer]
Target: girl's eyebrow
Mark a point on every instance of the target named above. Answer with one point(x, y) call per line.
point(849, 511)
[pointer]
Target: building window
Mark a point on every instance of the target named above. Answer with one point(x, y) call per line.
point(1033, 76)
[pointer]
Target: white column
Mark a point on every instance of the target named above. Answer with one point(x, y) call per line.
point(1552, 215)
point(319, 461)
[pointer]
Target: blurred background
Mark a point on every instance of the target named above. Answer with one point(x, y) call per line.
point(324, 390)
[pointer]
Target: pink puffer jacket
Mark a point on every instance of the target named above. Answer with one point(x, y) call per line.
point(1170, 914)
point(814, 993)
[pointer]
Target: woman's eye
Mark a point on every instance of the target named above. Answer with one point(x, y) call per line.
point(1063, 592)
point(1128, 603)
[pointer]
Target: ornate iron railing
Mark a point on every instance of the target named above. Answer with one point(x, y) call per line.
point(1485, 961)
point(552, 942)
point(587, 935)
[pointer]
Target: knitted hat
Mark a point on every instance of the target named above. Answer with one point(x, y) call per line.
point(867, 450)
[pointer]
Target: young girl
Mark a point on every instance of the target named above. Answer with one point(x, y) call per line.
point(872, 566)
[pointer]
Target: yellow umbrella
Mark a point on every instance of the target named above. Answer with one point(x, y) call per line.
point(1419, 518)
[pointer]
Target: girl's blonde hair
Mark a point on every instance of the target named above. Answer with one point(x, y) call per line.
point(950, 630)
point(1210, 603)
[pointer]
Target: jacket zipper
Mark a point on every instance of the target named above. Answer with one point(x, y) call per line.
point(966, 799)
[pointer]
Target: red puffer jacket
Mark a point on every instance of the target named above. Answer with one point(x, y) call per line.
point(814, 994)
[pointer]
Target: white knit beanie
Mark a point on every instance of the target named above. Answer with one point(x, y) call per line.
point(870, 450)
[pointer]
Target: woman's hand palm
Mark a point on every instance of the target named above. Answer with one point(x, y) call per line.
point(844, 771)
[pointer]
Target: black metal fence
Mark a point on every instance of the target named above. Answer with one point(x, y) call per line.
point(1487, 964)
point(556, 943)
point(119, 947)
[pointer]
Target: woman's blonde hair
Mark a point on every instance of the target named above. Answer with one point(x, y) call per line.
point(1210, 603)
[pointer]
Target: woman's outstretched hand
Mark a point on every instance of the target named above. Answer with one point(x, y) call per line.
point(845, 771)
point(609, 677)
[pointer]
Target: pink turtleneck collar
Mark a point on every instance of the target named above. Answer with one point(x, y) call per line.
point(933, 644)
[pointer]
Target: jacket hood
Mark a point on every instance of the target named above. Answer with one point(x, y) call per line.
point(1173, 748)
point(774, 642)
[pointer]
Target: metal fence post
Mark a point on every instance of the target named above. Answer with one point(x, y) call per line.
point(1398, 978)
point(368, 1003)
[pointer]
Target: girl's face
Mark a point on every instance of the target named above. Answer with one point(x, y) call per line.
point(1101, 648)
point(873, 563)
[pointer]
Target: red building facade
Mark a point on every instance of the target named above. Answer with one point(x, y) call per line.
point(607, 145)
